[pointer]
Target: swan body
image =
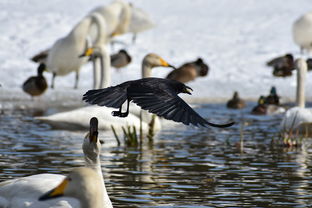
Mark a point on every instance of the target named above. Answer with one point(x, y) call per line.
point(25, 191)
point(302, 32)
point(117, 16)
point(63, 57)
point(77, 119)
point(299, 119)
point(82, 184)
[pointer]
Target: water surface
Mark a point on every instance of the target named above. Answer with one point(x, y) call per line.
point(182, 167)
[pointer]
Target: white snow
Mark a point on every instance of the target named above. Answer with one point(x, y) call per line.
point(235, 38)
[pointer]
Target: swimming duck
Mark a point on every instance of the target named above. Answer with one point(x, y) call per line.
point(272, 98)
point(236, 102)
point(189, 71)
point(260, 108)
point(36, 85)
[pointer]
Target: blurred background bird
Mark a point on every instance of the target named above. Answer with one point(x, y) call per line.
point(36, 85)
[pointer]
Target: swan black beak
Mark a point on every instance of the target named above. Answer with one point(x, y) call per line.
point(93, 132)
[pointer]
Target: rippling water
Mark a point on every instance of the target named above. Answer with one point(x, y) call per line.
point(183, 167)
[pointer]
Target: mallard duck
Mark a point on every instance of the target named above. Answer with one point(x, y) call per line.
point(120, 59)
point(236, 102)
point(272, 98)
point(282, 66)
point(189, 71)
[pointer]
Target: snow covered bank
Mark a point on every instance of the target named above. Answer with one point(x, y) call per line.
point(235, 38)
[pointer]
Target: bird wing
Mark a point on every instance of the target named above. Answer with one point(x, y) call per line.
point(110, 97)
point(169, 106)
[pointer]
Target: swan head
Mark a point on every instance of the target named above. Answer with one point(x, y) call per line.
point(81, 183)
point(92, 145)
point(153, 60)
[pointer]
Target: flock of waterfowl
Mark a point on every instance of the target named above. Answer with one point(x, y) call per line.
point(88, 41)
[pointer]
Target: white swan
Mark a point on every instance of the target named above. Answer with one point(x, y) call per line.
point(117, 16)
point(63, 57)
point(76, 119)
point(140, 21)
point(299, 119)
point(82, 184)
point(302, 32)
point(24, 192)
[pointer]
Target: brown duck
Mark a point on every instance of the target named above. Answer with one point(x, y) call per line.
point(189, 71)
point(36, 85)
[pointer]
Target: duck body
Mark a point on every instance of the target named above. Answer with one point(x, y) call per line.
point(120, 59)
point(189, 71)
point(282, 66)
point(36, 85)
point(236, 102)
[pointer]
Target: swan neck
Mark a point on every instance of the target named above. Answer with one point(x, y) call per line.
point(106, 68)
point(79, 31)
point(98, 20)
point(146, 70)
point(301, 76)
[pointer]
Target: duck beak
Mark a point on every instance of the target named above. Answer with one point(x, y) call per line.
point(87, 53)
point(56, 192)
point(188, 90)
point(93, 132)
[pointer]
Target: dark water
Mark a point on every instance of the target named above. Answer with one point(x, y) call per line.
point(183, 167)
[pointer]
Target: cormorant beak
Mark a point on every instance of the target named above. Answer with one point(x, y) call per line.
point(87, 53)
point(56, 192)
point(188, 90)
